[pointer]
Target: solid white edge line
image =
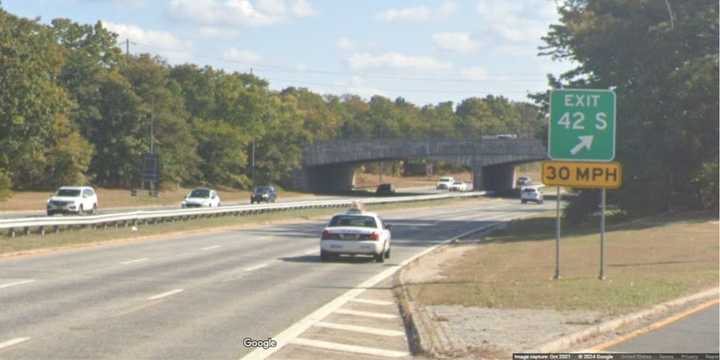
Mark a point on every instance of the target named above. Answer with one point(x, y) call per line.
point(292, 332)
point(134, 261)
point(310, 252)
point(210, 247)
point(366, 314)
point(372, 302)
point(350, 348)
point(15, 283)
point(12, 342)
point(165, 294)
point(256, 267)
point(360, 329)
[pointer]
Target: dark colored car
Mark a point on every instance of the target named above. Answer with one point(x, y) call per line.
point(263, 194)
point(385, 189)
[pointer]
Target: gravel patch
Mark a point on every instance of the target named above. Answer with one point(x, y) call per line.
point(507, 330)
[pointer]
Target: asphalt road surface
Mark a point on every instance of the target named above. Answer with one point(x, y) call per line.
point(697, 333)
point(197, 297)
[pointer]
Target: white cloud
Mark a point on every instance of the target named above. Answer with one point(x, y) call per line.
point(474, 73)
point(359, 86)
point(455, 41)
point(517, 21)
point(241, 56)
point(419, 13)
point(217, 13)
point(162, 43)
point(344, 43)
point(395, 60)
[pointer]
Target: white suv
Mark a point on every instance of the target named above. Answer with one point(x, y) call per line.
point(530, 193)
point(445, 182)
point(73, 200)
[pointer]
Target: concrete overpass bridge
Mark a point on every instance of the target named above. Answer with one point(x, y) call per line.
point(330, 166)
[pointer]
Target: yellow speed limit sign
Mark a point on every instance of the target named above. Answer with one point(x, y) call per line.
point(598, 175)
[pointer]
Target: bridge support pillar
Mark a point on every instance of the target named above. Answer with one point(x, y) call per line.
point(499, 178)
point(329, 179)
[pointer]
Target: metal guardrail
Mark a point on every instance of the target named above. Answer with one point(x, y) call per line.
point(41, 224)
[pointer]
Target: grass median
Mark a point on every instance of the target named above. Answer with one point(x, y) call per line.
point(648, 261)
point(83, 237)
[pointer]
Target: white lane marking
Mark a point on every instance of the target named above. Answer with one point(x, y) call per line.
point(134, 261)
point(166, 294)
point(210, 247)
point(372, 302)
point(360, 329)
point(256, 267)
point(292, 332)
point(310, 252)
point(366, 314)
point(14, 283)
point(350, 348)
point(12, 342)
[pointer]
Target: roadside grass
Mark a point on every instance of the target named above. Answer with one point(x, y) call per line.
point(648, 261)
point(85, 236)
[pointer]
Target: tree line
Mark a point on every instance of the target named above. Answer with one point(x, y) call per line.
point(661, 58)
point(75, 109)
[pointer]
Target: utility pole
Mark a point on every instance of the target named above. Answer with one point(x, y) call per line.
point(127, 48)
point(253, 162)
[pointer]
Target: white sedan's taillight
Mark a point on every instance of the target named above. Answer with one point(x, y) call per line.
point(326, 235)
point(375, 236)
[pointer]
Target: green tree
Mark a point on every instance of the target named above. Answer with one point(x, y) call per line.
point(663, 64)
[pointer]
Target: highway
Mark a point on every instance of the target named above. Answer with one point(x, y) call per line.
point(697, 333)
point(114, 210)
point(197, 297)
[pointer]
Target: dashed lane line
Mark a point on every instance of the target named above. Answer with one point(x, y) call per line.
point(210, 247)
point(360, 329)
point(12, 342)
point(372, 302)
point(134, 261)
point(15, 283)
point(256, 267)
point(166, 294)
point(349, 348)
point(366, 314)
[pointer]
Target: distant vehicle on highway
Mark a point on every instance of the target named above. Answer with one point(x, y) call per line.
point(445, 182)
point(201, 197)
point(531, 194)
point(73, 200)
point(263, 194)
point(356, 232)
point(385, 189)
point(523, 181)
point(459, 186)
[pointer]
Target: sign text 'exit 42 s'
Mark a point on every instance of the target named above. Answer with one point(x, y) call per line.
point(582, 125)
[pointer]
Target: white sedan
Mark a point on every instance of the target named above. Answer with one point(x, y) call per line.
point(356, 232)
point(459, 186)
point(201, 197)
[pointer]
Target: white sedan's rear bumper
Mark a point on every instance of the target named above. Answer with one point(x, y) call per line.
point(370, 247)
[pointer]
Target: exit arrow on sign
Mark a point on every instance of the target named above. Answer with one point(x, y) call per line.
point(585, 142)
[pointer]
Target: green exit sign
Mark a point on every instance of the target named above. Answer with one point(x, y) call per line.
point(582, 125)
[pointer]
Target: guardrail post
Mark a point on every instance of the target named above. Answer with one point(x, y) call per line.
point(11, 232)
point(56, 228)
point(42, 231)
point(27, 230)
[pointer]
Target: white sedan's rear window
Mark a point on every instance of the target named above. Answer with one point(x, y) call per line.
point(353, 220)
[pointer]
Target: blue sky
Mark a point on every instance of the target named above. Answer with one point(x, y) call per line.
point(426, 51)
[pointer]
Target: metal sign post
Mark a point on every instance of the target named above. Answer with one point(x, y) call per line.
point(557, 236)
point(602, 235)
